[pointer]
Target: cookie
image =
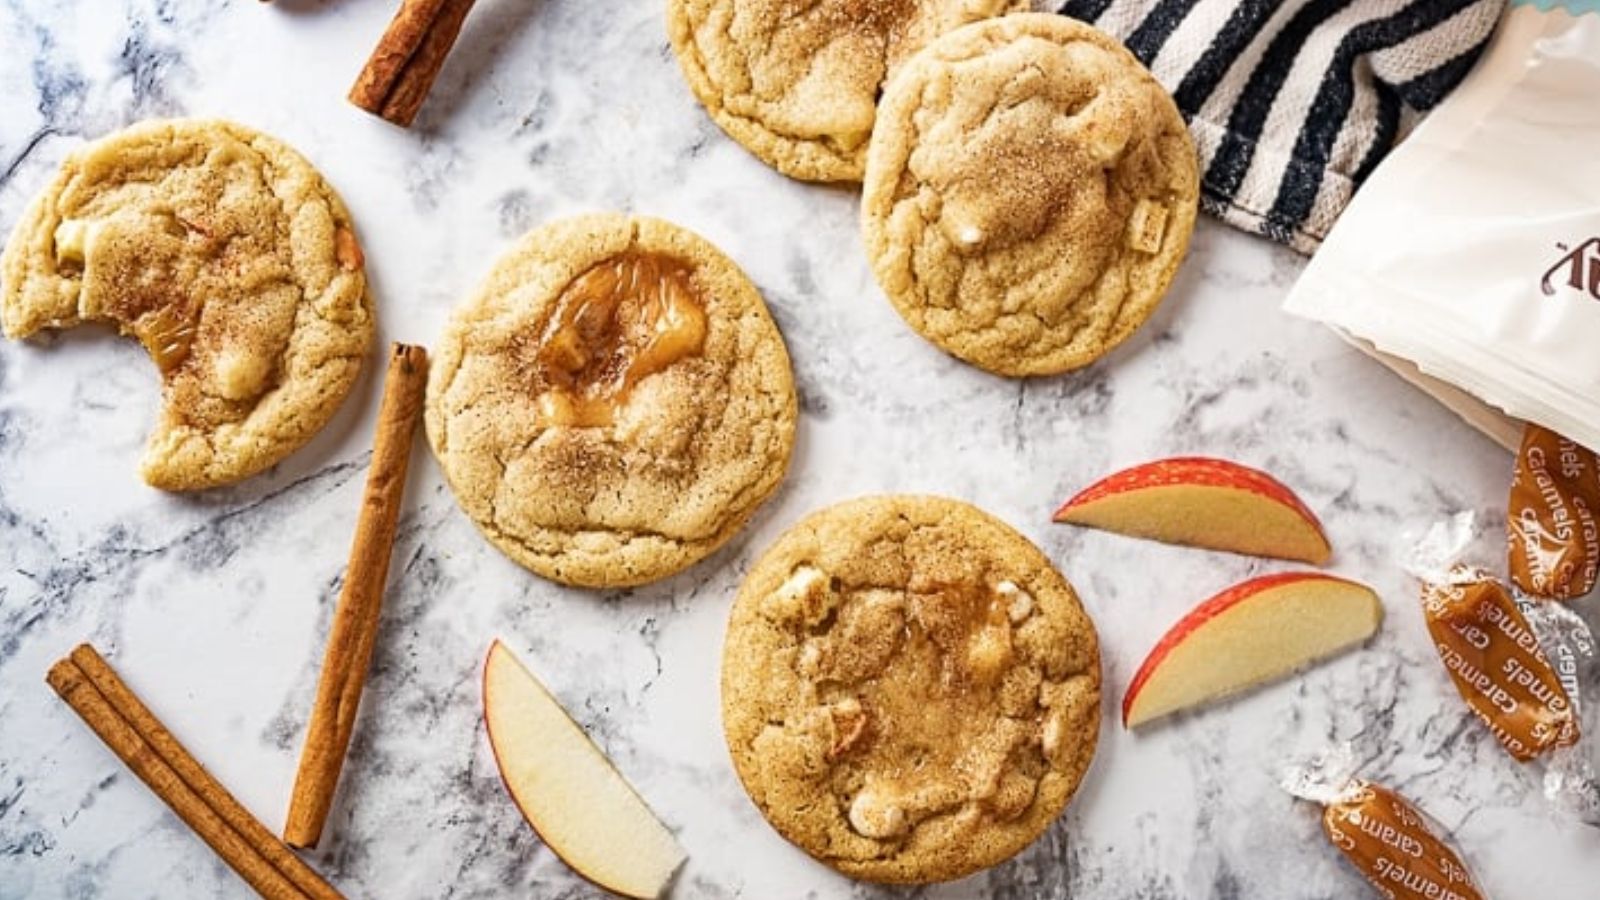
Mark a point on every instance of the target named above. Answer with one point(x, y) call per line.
point(1030, 191)
point(910, 691)
point(230, 259)
point(797, 83)
point(613, 403)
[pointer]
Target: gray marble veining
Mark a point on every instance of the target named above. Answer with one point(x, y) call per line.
point(214, 606)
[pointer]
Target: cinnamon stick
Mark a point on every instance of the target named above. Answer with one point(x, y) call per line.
point(355, 621)
point(401, 69)
point(110, 708)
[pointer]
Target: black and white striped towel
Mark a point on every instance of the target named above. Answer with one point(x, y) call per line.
point(1292, 102)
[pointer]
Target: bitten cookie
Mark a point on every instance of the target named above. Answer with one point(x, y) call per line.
point(797, 83)
point(910, 691)
point(613, 403)
point(1030, 190)
point(225, 253)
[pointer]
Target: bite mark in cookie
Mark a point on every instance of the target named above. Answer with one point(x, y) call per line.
point(234, 264)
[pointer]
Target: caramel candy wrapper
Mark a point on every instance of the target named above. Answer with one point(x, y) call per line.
point(1525, 666)
point(1389, 840)
point(1495, 660)
point(1392, 843)
point(1551, 517)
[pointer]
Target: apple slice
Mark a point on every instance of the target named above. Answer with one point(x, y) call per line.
point(1251, 633)
point(569, 792)
point(1202, 502)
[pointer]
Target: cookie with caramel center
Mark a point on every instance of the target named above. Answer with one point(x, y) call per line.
point(234, 263)
point(910, 690)
point(1030, 191)
point(613, 403)
point(797, 81)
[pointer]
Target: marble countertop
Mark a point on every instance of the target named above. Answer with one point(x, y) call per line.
point(214, 606)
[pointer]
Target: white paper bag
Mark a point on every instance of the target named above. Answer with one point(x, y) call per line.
point(1473, 251)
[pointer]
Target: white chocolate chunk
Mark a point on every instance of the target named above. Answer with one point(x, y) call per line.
point(1106, 138)
point(1147, 226)
point(1019, 603)
point(241, 374)
point(72, 240)
point(874, 816)
point(805, 596)
point(1051, 734)
point(810, 661)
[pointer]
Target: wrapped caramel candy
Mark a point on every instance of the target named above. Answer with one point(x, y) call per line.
point(1389, 841)
point(1496, 662)
point(1392, 843)
point(1519, 663)
point(1550, 518)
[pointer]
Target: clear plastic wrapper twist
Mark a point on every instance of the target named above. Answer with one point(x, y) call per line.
point(1470, 259)
point(1396, 846)
point(1521, 665)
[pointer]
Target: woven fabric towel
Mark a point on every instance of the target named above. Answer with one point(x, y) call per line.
point(1292, 102)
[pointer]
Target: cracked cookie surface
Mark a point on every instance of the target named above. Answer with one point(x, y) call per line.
point(231, 260)
point(1030, 191)
point(613, 403)
point(797, 81)
point(910, 690)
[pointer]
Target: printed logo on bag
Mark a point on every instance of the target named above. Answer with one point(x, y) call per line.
point(1579, 269)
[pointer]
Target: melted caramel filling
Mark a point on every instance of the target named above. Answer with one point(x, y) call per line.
point(622, 320)
point(948, 668)
point(167, 333)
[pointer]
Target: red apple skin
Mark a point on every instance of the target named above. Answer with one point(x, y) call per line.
point(1203, 613)
point(483, 683)
point(1202, 470)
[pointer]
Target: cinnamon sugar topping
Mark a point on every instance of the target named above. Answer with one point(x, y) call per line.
point(139, 268)
point(938, 661)
point(910, 690)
